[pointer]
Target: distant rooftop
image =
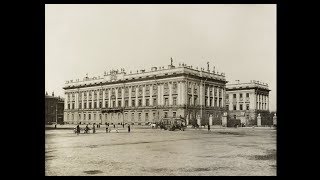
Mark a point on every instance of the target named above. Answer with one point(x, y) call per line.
point(122, 75)
point(251, 84)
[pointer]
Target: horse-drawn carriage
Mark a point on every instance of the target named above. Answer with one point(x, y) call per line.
point(172, 124)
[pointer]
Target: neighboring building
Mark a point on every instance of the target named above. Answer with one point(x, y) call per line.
point(142, 97)
point(245, 101)
point(53, 109)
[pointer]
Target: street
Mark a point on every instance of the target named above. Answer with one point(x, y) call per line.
point(146, 151)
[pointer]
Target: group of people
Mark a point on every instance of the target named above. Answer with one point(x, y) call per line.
point(87, 129)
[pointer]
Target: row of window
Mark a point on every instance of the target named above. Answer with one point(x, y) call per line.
point(240, 107)
point(84, 116)
point(126, 103)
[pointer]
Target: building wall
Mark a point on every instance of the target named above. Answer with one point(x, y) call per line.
point(164, 90)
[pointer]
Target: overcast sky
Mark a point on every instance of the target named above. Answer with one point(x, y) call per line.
point(239, 40)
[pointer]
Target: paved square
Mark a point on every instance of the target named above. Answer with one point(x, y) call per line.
point(241, 151)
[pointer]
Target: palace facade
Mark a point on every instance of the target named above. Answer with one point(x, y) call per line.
point(147, 96)
point(246, 101)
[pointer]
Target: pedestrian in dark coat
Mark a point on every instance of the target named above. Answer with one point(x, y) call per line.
point(208, 127)
point(93, 129)
point(78, 129)
point(129, 128)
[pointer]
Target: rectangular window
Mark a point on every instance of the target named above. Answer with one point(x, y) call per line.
point(73, 105)
point(234, 107)
point(84, 116)
point(174, 101)
point(147, 117)
point(247, 95)
point(89, 116)
point(147, 102)
point(195, 101)
point(227, 107)
point(100, 104)
point(140, 102)
point(166, 101)
point(189, 101)
point(126, 102)
point(113, 103)
point(119, 103)
point(133, 103)
point(68, 106)
point(174, 114)
point(241, 107)
point(94, 117)
point(240, 95)
point(165, 114)
point(80, 107)
point(95, 105)
point(132, 117)
point(220, 105)
point(154, 115)
point(90, 105)
point(155, 101)
point(206, 102)
point(79, 116)
point(234, 96)
point(215, 102)
point(247, 106)
point(139, 117)
point(85, 105)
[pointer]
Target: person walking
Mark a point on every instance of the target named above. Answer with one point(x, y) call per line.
point(208, 127)
point(123, 125)
point(114, 126)
point(93, 129)
point(107, 127)
point(128, 128)
point(78, 129)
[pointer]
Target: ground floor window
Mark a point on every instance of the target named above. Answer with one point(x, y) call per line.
point(174, 114)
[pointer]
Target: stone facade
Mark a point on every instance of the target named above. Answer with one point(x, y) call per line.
point(54, 107)
point(245, 101)
point(143, 97)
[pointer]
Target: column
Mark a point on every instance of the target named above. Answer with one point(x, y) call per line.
point(170, 93)
point(218, 96)
point(103, 98)
point(223, 96)
point(192, 94)
point(183, 93)
point(151, 93)
point(82, 101)
point(179, 93)
point(87, 99)
point(252, 100)
point(268, 102)
point(65, 101)
point(117, 89)
point(76, 100)
point(201, 94)
point(122, 97)
point(130, 89)
point(143, 95)
point(98, 100)
point(159, 94)
point(213, 89)
point(109, 104)
point(137, 96)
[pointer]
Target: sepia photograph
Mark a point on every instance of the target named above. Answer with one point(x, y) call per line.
point(160, 90)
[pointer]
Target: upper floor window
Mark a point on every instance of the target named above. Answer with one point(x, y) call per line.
point(247, 106)
point(240, 95)
point(174, 114)
point(247, 95)
point(126, 102)
point(140, 102)
point(119, 103)
point(174, 101)
point(147, 102)
point(234, 107)
point(241, 107)
point(166, 101)
point(165, 114)
point(133, 103)
point(155, 101)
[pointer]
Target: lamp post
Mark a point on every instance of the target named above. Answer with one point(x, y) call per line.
point(203, 83)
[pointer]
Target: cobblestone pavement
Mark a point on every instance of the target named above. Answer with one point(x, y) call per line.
point(158, 152)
